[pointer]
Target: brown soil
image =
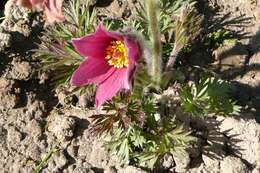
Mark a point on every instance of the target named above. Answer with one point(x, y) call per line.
point(34, 118)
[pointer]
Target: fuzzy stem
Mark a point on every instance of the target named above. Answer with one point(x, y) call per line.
point(152, 10)
point(173, 57)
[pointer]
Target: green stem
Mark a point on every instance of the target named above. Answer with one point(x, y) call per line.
point(152, 10)
point(45, 159)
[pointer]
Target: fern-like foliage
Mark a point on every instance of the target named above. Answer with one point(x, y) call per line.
point(120, 112)
point(56, 50)
point(146, 145)
point(180, 25)
point(168, 9)
point(136, 135)
point(147, 148)
point(123, 143)
point(208, 96)
point(169, 138)
point(184, 31)
point(221, 37)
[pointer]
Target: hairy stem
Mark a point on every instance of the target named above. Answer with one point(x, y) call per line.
point(152, 10)
point(173, 56)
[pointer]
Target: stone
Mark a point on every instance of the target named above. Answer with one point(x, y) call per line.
point(244, 136)
point(33, 128)
point(256, 170)
point(232, 164)
point(65, 97)
point(168, 161)
point(111, 170)
point(98, 154)
point(251, 76)
point(3, 135)
point(62, 127)
point(85, 101)
point(21, 70)
point(182, 162)
point(8, 94)
point(5, 41)
point(33, 151)
point(231, 57)
point(14, 12)
point(83, 170)
point(8, 101)
point(35, 108)
point(130, 169)
point(60, 159)
point(13, 136)
point(255, 59)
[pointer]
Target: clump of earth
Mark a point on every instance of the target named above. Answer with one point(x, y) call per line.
point(34, 119)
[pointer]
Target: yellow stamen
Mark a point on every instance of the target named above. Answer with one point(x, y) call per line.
point(116, 54)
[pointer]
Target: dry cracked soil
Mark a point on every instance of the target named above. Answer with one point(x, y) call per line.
point(34, 118)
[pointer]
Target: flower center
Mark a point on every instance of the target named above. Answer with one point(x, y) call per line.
point(116, 54)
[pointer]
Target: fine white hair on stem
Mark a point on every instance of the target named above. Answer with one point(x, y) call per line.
point(145, 51)
point(155, 36)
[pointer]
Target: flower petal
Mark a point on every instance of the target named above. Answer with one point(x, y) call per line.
point(109, 88)
point(53, 11)
point(92, 70)
point(94, 45)
point(132, 48)
point(51, 8)
point(32, 4)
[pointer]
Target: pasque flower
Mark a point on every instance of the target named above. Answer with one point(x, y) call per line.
point(110, 62)
point(52, 9)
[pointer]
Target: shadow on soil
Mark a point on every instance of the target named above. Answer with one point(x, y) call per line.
point(103, 3)
point(2, 5)
point(238, 56)
point(247, 95)
point(22, 49)
point(248, 92)
point(215, 144)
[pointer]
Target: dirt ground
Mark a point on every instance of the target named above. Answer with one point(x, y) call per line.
point(34, 119)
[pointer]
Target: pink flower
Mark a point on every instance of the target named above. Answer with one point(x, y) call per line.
point(110, 62)
point(52, 9)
